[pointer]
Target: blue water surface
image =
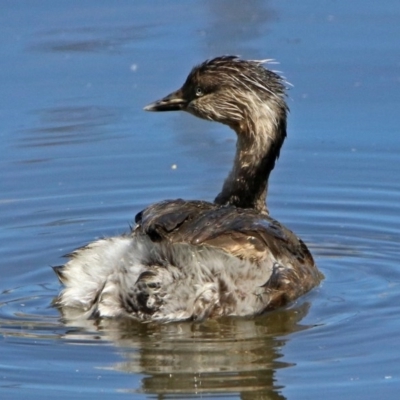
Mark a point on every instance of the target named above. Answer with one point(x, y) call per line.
point(79, 158)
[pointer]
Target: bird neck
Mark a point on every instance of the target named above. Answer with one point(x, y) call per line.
point(258, 145)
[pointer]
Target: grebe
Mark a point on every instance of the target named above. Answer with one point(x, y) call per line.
point(191, 260)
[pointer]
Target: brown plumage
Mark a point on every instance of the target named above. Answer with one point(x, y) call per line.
point(190, 260)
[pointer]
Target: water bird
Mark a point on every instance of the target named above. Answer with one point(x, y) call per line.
point(193, 259)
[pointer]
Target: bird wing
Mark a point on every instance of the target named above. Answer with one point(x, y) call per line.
point(243, 233)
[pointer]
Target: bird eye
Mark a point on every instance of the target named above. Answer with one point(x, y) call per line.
point(199, 91)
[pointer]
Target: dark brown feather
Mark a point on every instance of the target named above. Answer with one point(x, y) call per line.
point(243, 233)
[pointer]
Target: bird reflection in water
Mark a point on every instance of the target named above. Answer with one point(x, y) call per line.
point(236, 356)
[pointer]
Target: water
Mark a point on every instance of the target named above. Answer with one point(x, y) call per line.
point(79, 158)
